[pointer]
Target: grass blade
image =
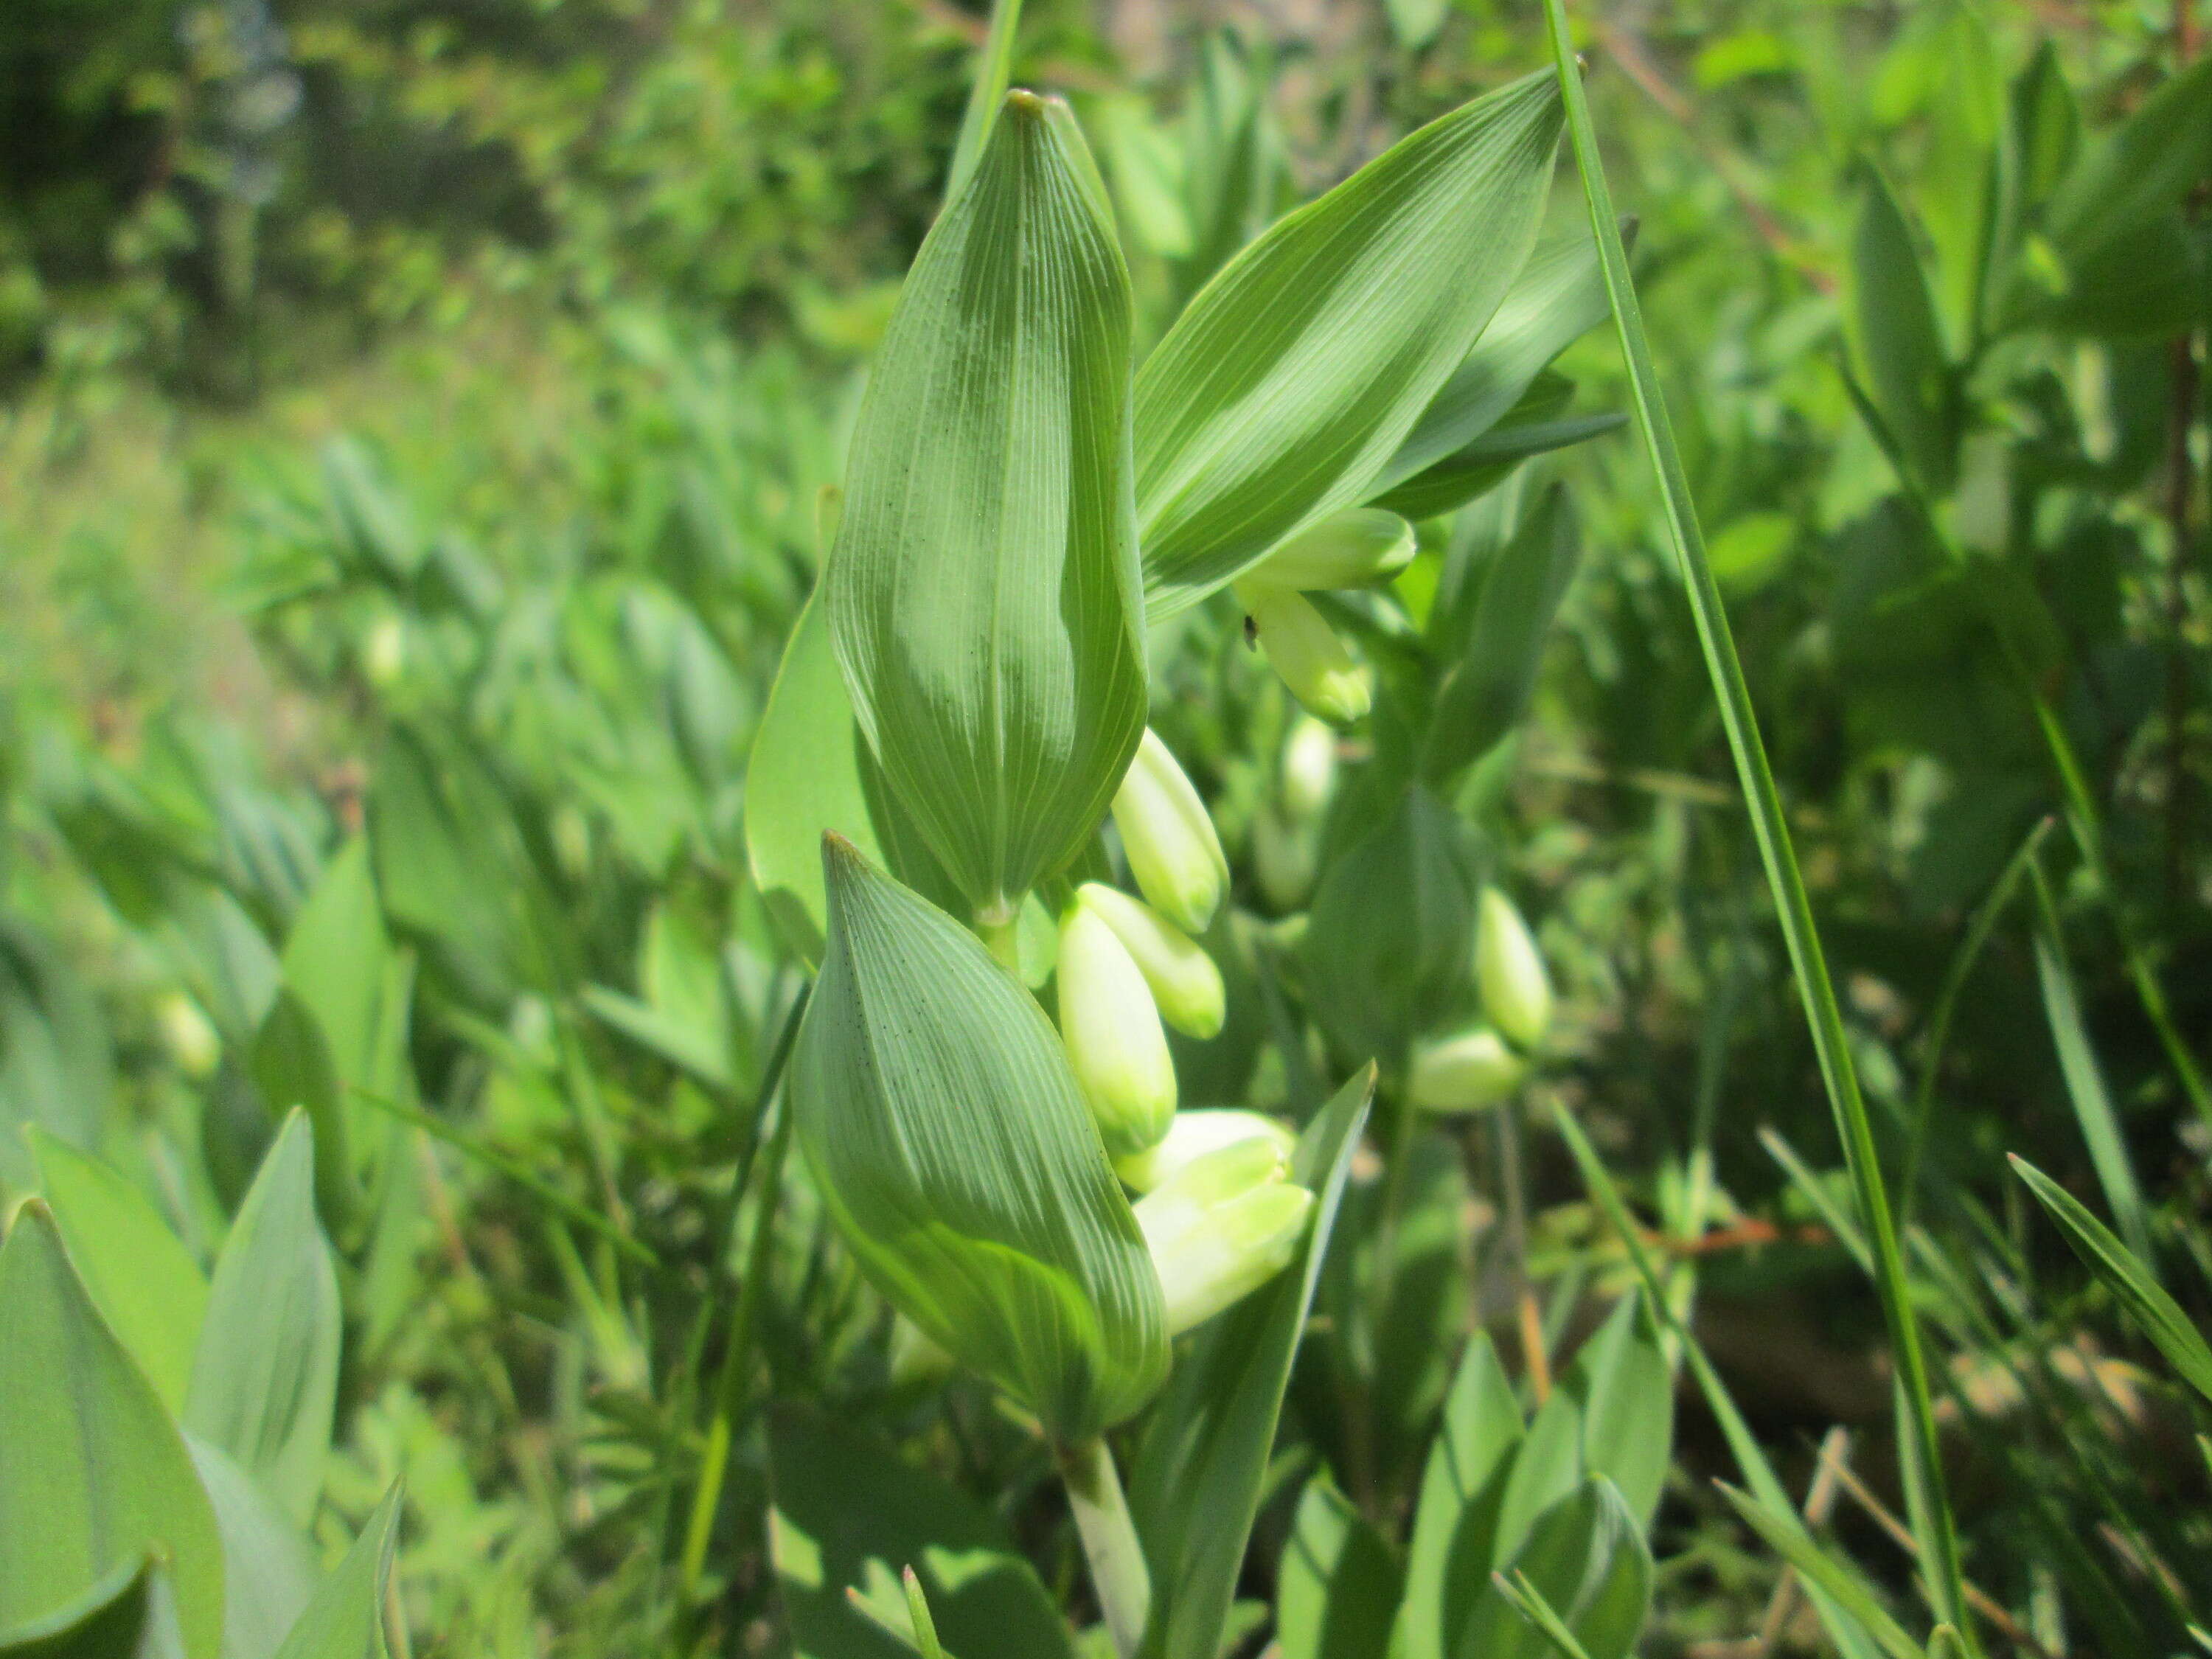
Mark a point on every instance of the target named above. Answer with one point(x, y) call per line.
point(1794, 909)
point(2157, 1314)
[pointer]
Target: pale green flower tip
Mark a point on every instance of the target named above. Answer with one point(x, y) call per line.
point(1464, 1073)
point(1168, 838)
point(1185, 982)
point(1509, 971)
point(189, 1035)
point(915, 1357)
point(1211, 1260)
point(1111, 1028)
point(1285, 856)
point(1301, 646)
point(1354, 548)
point(1309, 768)
point(1197, 1132)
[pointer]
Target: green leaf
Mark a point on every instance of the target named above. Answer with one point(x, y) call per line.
point(1620, 1384)
point(92, 1473)
point(1587, 1559)
point(270, 1569)
point(1199, 1473)
point(1840, 1581)
point(265, 1376)
point(1234, 170)
point(145, 1282)
point(934, 1104)
point(2085, 1079)
point(1485, 692)
point(1415, 22)
point(982, 595)
point(1282, 391)
point(851, 1515)
point(1456, 1520)
point(2137, 173)
point(292, 1069)
point(809, 772)
point(1336, 1589)
point(1899, 341)
point(1559, 297)
point(1391, 941)
point(130, 1614)
point(994, 68)
point(346, 1619)
point(2158, 1314)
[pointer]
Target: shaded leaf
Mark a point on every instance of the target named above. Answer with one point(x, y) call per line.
point(1455, 1518)
point(1336, 1589)
point(850, 1516)
point(346, 1619)
point(1587, 1559)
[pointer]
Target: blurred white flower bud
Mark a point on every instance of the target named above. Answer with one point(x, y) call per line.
point(1194, 1135)
point(1222, 1227)
point(1305, 651)
point(1464, 1073)
point(1184, 980)
point(1285, 857)
point(1309, 768)
point(1111, 1027)
point(187, 1034)
point(384, 651)
point(1509, 971)
point(1168, 839)
point(1353, 549)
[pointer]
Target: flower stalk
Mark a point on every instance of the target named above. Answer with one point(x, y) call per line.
point(1116, 1559)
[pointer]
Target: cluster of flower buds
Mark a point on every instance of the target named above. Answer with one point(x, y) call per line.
point(1131, 969)
point(1286, 830)
point(1354, 548)
point(1483, 1065)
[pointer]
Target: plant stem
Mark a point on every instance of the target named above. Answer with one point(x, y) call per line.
point(1919, 1441)
point(1118, 1572)
point(1513, 1208)
point(1002, 938)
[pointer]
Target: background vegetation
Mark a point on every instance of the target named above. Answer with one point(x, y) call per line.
point(415, 419)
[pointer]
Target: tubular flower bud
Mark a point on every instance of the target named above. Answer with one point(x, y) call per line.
point(1306, 652)
point(1285, 857)
point(190, 1038)
point(1185, 983)
point(1168, 839)
point(1222, 1227)
point(1309, 768)
point(1112, 1030)
point(1196, 1134)
point(1509, 971)
point(1464, 1073)
point(1346, 549)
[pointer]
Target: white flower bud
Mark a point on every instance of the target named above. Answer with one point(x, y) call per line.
point(1197, 1132)
point(1222, 1227)
point(187, 1034)
point(1464, 1073)
point(1185, 982)
point(1306, 652)
point(384, 652)
point(1509, 971)
point(1309, 768)
point(1112, 1030)
point(1168, 839)
point(1354, 548)
point(1285, 857)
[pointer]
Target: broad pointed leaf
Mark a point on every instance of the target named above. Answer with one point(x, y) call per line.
point(1282, 391)
point(130, 1614)
point(346, 1619)
point(270, 1569)
point(145, 1282)
point(266, 1373)
point(982, 594)
point(92, 1473)
point(1456, 1520)
point(1898, 340)
point(1587, 1558)
point(1337, 1589)
point(935, 1106)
